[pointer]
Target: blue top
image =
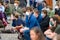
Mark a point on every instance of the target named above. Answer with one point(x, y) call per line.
point(39, 18)
point(18, 22)
point(40, 7)
point(31, 21)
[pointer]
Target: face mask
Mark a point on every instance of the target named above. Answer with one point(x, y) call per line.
point(56, 7)
point(15, 4)
point(51, 24)
point(42, 14)
point(28, 13)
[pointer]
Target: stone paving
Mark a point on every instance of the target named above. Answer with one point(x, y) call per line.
point(6, 36)
point(9, 36)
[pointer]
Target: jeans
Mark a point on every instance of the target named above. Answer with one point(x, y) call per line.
point(27, 34)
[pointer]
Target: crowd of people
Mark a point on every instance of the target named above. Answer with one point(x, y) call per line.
point(35, 22)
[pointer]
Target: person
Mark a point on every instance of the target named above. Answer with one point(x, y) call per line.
point(45, 20)
point(51, 12)
point(12, 1)
point(57, 11)
point(2, 14)
point(7, 9)
point(39, 5)
point(46, 7)
point(36, 34)
point(57, 29)
point(23, 3)
point(32, 17)
point(17, 21)
point(24, 13)
point(50, 33)
point(31, 2)
point(2, 8)
point(31, 22)
point(17, 8)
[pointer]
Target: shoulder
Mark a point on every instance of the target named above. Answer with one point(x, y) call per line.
point(47, 17)
point(33, 17)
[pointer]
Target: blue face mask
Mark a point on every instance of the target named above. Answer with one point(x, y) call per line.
point(42, 14)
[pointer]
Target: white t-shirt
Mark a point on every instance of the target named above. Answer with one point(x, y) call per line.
point(2, 8)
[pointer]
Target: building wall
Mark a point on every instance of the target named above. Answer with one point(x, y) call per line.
point(49, 2)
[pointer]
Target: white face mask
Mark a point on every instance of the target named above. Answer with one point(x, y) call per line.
point(28, 13)
point(15, 4)
point(56, 7)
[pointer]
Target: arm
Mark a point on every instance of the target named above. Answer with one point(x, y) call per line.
point(47, 32)
point(3, 9)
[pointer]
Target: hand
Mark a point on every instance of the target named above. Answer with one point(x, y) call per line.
point(19, 27)
point(4, 19)
point(21, 30)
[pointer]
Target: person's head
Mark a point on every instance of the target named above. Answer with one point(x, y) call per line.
point(28, 10)
point(6, 5)
point(45, 4)
point(16, 3)
point(36, 34)
point(36, 13)
point(53, 23)
point(16, 15)
point(24, 10)
point(44, 13)
point(1, 3)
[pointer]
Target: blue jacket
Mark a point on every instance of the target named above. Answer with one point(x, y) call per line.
point(39, 18)
point(40, 7)
point(31, 21)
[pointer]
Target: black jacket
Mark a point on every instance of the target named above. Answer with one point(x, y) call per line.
point(45, 23)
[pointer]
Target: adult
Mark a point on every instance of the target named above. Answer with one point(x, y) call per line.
point(45, 20)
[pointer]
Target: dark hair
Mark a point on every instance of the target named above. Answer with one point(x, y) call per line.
point(45, 11)
point(16, 14)
point(45, 2)
point(54, 19)
point(36, 11)
point(39, 33)
point(24, 10)
point(1, 2)
point(28, 8)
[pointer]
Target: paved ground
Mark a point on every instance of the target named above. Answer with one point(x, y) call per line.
point(6, 36)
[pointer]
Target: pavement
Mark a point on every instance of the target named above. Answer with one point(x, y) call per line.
point(9, 36)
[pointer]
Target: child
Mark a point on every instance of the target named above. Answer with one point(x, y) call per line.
point(17, 21)
point(36, 34)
